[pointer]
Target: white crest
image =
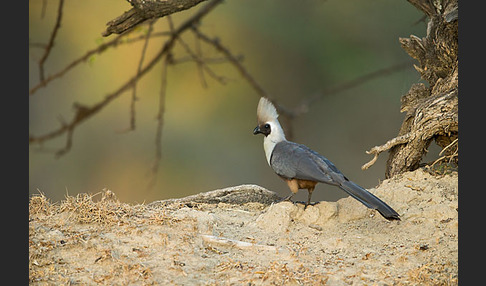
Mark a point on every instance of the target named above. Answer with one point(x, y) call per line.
point(266, 111)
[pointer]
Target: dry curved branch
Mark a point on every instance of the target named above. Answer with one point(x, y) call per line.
point(385, 147)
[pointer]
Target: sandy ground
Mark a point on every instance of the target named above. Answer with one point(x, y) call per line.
point(95, 239)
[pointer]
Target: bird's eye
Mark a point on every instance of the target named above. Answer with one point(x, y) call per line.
point(267, 126)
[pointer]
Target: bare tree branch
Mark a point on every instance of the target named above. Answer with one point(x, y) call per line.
point(202, 66)
point(120, 39)
point(200, 69)
point(233, 60)
point(160, 115)
point(77, 61)
point(146, 9)
point(303, 107)
point(50, 44)
point(160, 122)
point(85, 112)
point(134, 90)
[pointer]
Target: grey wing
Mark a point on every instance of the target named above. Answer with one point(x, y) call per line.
point(282, 162)
point(292, 160)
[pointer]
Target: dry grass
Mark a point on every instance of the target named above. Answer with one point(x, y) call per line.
point(102, 208)
point(39, 204)
point(107, 210)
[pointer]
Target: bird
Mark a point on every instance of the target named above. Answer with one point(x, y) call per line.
point(303, 168)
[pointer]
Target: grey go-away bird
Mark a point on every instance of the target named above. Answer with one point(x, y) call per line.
point(303, 168)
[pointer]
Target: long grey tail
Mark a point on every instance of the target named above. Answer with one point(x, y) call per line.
point(369, 200)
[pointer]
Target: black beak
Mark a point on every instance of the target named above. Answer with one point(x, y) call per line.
point(256, 130)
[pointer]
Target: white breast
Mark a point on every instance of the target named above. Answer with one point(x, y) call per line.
point(276, 135)
point(268, 146)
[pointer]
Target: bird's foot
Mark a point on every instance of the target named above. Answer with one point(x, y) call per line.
point(289, 197)
point(306, 204)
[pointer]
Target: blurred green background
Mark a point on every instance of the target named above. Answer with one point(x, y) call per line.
point(293, 49)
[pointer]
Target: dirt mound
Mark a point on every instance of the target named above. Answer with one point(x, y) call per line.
point(91, 239)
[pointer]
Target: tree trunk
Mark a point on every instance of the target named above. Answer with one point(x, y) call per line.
point(431, 110)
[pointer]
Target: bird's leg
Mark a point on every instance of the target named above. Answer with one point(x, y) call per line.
point(310, 190)
point(294, 188)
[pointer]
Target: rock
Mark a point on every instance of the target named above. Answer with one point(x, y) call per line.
point(237, 195)
point(277, 218)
